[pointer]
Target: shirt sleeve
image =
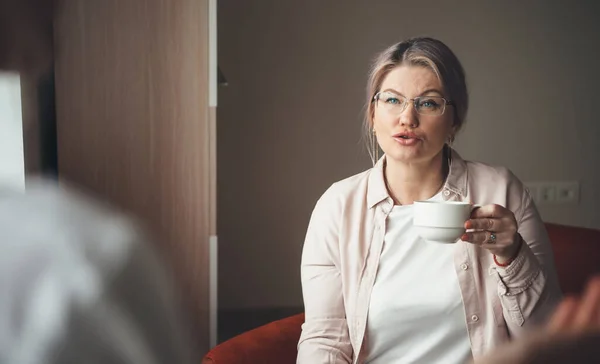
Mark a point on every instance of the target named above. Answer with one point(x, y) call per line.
point(325, 338)
point(528, 287)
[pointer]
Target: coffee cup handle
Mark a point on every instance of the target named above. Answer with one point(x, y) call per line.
point(473, 207)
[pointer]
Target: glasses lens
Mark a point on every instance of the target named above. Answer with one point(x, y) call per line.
point(392, 102)
point(430, 105)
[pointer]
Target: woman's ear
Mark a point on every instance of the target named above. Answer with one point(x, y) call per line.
point(452, 133)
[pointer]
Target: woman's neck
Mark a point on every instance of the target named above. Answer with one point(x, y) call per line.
point(409, 182)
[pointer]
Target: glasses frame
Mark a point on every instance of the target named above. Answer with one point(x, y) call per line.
point(414, 102)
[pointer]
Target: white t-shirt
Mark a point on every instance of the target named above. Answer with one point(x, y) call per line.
point(416, 313)
point(79, 283)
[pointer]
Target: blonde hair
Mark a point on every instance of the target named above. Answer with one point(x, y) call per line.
point(424, 52)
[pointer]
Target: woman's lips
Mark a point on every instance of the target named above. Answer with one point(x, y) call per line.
point(407, 141)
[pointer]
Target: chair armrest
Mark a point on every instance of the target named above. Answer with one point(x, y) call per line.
point(275, 342)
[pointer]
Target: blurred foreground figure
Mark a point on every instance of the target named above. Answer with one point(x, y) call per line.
point(80, 284)
point(572, 336)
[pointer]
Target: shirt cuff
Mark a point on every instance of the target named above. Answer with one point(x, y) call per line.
point(521, 272)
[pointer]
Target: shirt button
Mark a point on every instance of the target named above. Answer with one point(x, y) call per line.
point(446, 193)
point(464, 266)
point(475, 318)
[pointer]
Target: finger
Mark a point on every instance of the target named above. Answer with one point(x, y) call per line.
point(588, 313)
point(488, 224)
point(488, 211)
point(484, 238)
point(476, 237)
point(563, 316)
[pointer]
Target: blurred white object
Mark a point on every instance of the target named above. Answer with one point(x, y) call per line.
point(12, 160)
point(80, 284)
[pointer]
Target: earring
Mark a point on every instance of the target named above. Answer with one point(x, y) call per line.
point(450, 140)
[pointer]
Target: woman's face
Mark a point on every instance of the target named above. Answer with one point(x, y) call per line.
point(404, 134)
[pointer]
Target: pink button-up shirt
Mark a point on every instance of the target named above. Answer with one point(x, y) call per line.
point(345, 239)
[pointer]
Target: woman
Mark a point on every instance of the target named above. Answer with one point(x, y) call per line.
point(373, 290)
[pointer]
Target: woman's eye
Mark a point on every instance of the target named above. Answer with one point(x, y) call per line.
point(429, 103)
point(392, 100)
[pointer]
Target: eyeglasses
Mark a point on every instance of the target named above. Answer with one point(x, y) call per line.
point(424, 105)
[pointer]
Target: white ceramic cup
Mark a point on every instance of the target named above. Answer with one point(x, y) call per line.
point(441, 221)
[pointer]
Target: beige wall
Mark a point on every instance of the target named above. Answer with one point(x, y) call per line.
point(289, 122)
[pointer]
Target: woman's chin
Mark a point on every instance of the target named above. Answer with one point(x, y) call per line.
point(407, 155)
point(410, 155)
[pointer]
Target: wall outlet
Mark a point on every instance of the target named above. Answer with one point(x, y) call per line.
point(567, 192)
point(558, 192)
point(547, 193)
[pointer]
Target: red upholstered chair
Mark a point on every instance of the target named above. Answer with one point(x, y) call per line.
point(577, 256)
point(274, 343)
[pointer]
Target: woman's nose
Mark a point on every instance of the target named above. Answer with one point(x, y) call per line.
point(409, 116)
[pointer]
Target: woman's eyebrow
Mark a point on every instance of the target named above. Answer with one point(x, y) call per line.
point(429, 90)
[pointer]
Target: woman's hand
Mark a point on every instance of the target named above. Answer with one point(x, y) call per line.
point(494, 228)
point(571, 336)
point(578, 314)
